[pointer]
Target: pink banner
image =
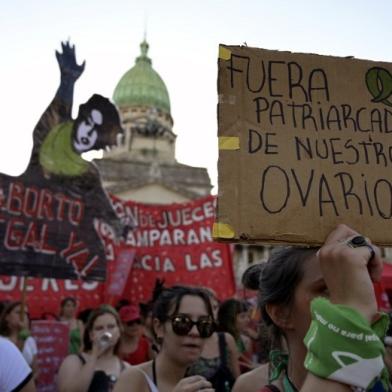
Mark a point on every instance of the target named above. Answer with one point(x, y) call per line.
point(52, 339)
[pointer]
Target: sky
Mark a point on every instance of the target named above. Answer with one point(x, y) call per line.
point(183, 36)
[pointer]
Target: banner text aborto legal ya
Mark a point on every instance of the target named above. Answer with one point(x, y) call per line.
point(305, 144)
point(171, 242)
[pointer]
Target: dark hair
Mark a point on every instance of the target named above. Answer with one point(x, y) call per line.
point(145, 309)
point(4, 327)
point(108, 110)
point(111, 119)
point(103, 309)
point(277, 279)
point(168, 301)
point(227, 315)
point(68, 299)
point(122, 302)
point(84, 315)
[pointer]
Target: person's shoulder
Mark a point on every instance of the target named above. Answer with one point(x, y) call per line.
point(74, 360)
point(135, 376)
point(230, 341)
point(229, 338)
point(252, 381)
point(9, 350)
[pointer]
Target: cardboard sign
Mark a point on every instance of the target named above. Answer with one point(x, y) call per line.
point(304, 144)
point(48, 214)
point(52, 339)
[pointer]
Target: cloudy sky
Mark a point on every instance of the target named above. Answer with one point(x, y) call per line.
point(183, 37)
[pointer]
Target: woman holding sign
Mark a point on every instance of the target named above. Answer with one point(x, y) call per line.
point(322, 303)
point(98, 367)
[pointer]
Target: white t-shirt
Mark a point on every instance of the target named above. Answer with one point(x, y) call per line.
point(30, 350)
point(14, 370)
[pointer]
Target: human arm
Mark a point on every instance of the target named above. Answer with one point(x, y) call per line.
point(314, 383)
point(193, 384)
point(59, 110)
point(81, 331)
point(15, 374)
point(74, 376)
point(252, 381)
point(349, 320)
point(233, 355)
point(76, 373)
point(353, 285)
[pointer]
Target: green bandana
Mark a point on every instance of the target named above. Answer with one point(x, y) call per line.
point(343, 347)
point(57, 155)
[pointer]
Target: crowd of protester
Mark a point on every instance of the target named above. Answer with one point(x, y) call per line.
point(185, 339)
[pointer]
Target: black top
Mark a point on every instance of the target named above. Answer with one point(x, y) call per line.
point(102, 382)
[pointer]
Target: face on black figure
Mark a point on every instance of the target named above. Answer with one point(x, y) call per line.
point(86, 133)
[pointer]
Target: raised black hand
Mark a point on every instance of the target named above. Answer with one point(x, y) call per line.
point(70, 69)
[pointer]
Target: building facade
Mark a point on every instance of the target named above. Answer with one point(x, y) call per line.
point(142, 167)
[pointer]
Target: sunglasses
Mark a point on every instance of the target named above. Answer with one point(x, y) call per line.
point(182, 325)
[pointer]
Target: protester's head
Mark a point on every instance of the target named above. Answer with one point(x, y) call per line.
point(13, 319)
point(146, 314)
point(97, 125)
point(101, 320)
point(3, 305)
point(215, 303)
point(122, 302)
point(287, 283)
point(182, 321)
point(68, 307)
point(233, 316)
point(131, 320)
point(84, 315)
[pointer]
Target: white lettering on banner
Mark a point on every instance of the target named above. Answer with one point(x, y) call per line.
point(168, 265)
point(181, 217)
point(52, 282)
point(89, 286)
point(69, 285)
point(155, 237)
point(217, 258)
point(10, 283)
point(4, 286)
point(205, 261)
point(188, 263)
point(178, 236)
point(150, 263)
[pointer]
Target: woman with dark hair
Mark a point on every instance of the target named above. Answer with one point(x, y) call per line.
point(233, 317)
point(218, 362)
point(321, 303)
point(98, 367)
point(12, 322)
point(182, 321)
point(68, 308)
point(14, 325)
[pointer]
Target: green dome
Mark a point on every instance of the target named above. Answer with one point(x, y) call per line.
point(142, 86)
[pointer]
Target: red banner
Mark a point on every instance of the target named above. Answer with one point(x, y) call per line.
point(44, 295)
point(119, 274)
point(52, 343)
point(174, 242)
point(171, 242)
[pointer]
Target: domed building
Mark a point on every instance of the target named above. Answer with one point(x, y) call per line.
point(142, 167)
